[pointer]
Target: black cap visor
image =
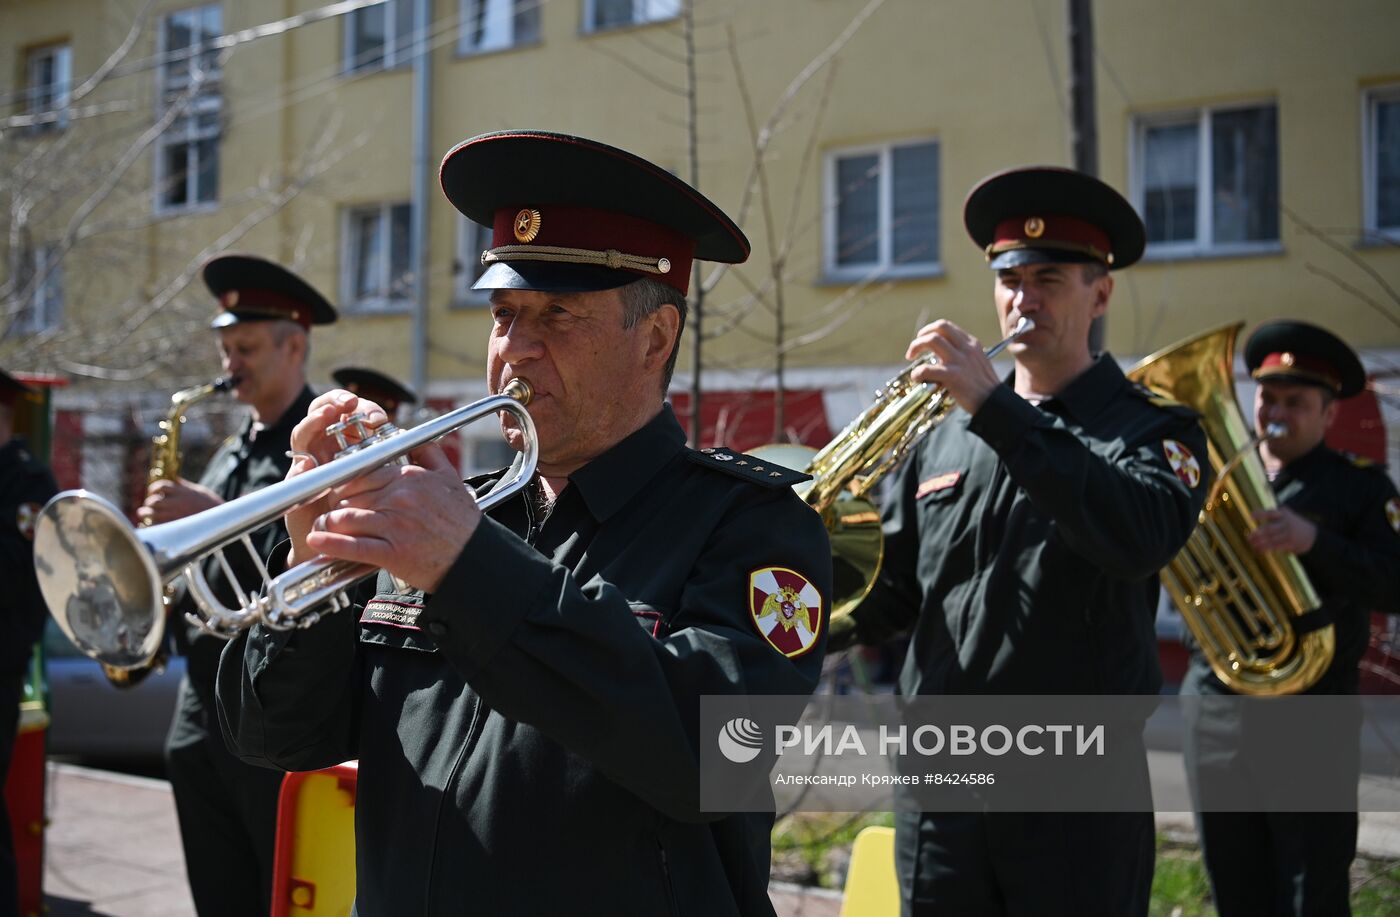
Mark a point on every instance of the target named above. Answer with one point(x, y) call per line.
point(548, 277)
point(1017, 257)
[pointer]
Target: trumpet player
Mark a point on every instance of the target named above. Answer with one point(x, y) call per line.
point(525, 711)
point(228, 809)
point(1340, 514)
point(1023, 540)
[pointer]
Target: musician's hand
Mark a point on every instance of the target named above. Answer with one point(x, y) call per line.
point(962, 368)
point(412, 520)
point(169, 500)
point(309, 437)
point(1282, 530)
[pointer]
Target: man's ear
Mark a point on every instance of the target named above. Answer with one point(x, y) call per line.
point(662, 334)
point(1329, 413)
point(1103, 289)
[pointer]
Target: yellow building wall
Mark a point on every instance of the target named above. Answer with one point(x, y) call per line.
point(986, 78)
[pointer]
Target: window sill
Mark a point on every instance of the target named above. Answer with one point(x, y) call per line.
point(492, 52)
point(1268, 250)
point(376, 308)
point(585, 32)
point(880, 275)
point(1378, 238)
point(185, 210)
point(347, 74)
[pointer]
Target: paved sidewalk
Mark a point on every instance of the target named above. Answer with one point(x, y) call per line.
point(113, 849)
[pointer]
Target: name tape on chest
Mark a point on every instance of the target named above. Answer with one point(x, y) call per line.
point(786, 608)
point(936, 483)
point(392, 614)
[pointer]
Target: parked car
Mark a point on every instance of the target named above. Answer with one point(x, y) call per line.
point(92, 718)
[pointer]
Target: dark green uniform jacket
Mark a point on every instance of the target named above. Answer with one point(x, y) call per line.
point(1023, 543)
point(527, 736)
point(25, 486)
point(1354, 565)
point(242, 465)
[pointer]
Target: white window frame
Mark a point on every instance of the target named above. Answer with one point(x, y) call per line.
point(507, 23)
point(1203, 245)
point(349, 249)
point(55, 96)
point(44, 307)
point(396, 53)
point(1370, 98)
point(883, 266)
point(208, 101)
point(471, 242)
point(644, 12)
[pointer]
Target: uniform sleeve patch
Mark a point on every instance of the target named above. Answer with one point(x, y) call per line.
point(786, 608)
point(1392, 513)
point(24, 519)
point(1182, 462)
point(748, 467)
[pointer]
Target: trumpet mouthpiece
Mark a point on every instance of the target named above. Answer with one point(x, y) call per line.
point(1275, 431)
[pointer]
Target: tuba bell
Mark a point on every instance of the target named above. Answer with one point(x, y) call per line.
point(1241, 606)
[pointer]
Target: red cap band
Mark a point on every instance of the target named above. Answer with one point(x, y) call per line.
point(266, 302)
point(1052, 232)
point(1286, 363)
point(597, 231)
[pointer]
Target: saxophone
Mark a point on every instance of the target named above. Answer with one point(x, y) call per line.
point(165, 466)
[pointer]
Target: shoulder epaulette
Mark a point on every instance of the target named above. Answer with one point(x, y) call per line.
point(754, 470)
point(1361, 461)
point(1164, 402)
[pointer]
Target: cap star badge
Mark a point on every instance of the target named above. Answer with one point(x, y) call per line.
point(1182, 462)
point(1392, 513)
point(25, 519)
point(786, 608)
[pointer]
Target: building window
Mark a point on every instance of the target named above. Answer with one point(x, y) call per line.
point(50, 87)
point(1206, 181)
point(379, 37)
point(187, 152)
point(472, 240)
point(491, 25)
point(41, 286)
point(882, 211)
point(1382, 167)
point(377, 260)
point(600, 15)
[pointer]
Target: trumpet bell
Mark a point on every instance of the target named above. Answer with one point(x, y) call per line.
point(99, 579)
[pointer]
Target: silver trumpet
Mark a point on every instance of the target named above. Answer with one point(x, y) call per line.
point(103, 578)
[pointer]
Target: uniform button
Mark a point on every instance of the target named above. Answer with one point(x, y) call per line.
point(437, 628)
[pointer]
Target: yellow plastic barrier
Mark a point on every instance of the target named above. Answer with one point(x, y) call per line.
point(313, 869)
point(872, 890)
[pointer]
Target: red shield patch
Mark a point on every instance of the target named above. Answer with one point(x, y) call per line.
point(786, 608)
point(1182, 462)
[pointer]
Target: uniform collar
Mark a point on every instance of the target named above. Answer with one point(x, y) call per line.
point(612, 479)
point(282, 429)
point(1090, 392)
point(1310, 459)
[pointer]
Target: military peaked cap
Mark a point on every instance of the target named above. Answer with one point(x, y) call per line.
point(568, 214)
point(1038, 214)
point(377, 387)
point(1303, 353)
point(253, 289)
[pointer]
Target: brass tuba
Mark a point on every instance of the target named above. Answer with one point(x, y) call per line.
point(849, 467)
point(1239, 604)
point(165, 466)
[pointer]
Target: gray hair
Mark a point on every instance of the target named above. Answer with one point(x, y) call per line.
point(641, 298)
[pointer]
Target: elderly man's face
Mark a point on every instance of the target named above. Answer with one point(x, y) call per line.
point(594, 381)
